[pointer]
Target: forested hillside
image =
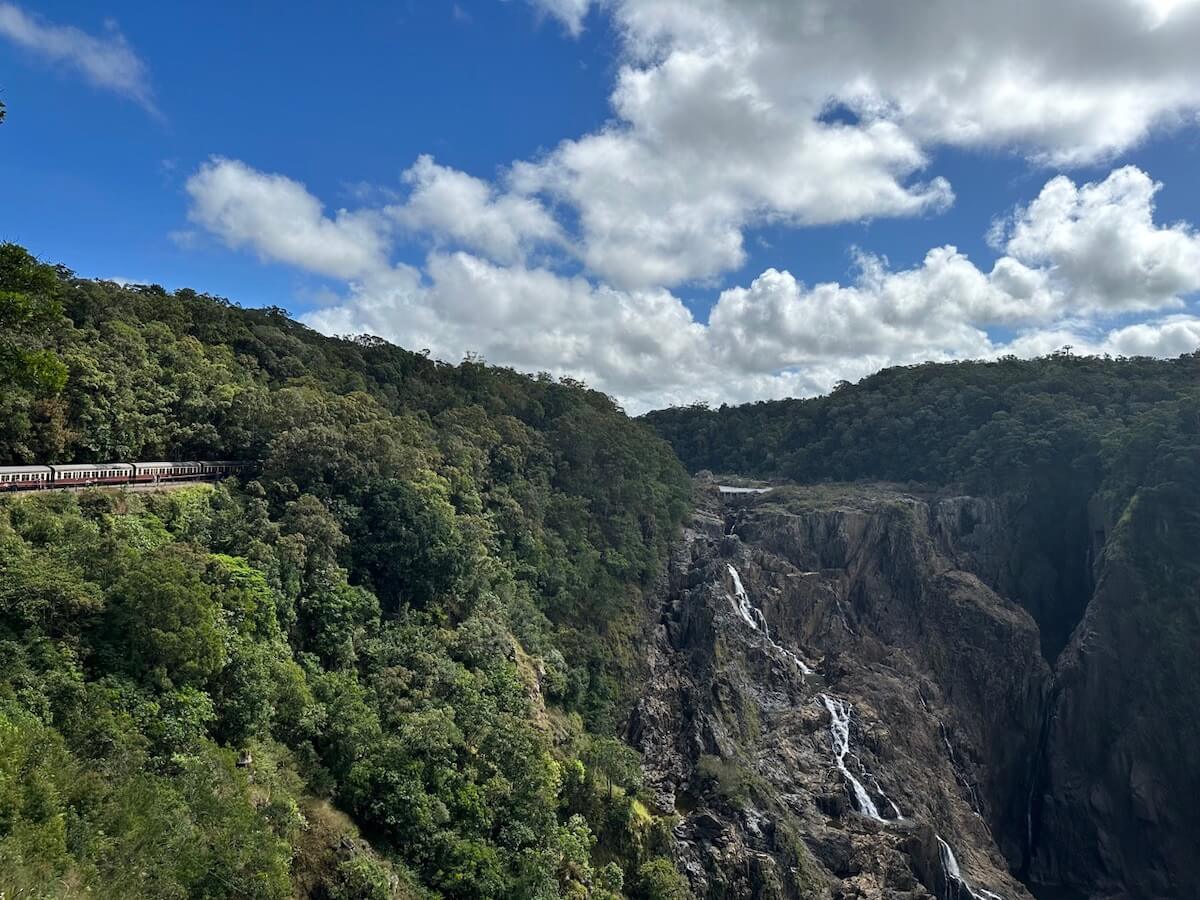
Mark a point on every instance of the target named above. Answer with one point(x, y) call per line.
point(1004, 423)
point(390, 663)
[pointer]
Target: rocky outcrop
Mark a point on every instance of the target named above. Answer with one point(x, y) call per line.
point(838, 706)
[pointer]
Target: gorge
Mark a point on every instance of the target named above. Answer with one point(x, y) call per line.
point(465, 633)
point(931, 750)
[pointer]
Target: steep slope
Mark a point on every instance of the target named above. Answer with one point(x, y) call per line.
point(389, 662)
point(1115, 813)
point(836, 706)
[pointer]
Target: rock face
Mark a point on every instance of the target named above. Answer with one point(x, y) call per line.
point(849, 698)
point(1116, 805)
point(838, 706)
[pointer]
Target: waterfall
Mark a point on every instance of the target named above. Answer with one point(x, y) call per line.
point(839, 729)
point(954, 873)
point(966, 783)
point(840, 713)
point(753, 616)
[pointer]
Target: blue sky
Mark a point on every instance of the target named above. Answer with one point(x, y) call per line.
point(336, 101)
point(617, 193)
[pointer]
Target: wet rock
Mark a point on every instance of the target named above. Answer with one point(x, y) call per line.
point(881, 593)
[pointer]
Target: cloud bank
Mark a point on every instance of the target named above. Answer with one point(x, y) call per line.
point(732, 114)
point(773, 337)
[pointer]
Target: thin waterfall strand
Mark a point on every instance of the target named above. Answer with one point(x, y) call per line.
point(954, 873)
point(839, 730)
point(753, 616)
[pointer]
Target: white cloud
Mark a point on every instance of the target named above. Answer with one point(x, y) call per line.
point(107, 61)
point(570, 13)
point(1172, 336)
point(701, 152)
point(453, 206)
point(1075, 256)
point(775, 336)
point(1102, 247)
point(1068, 80)
point(279, 219)
point(730, 114)
point(720, 112)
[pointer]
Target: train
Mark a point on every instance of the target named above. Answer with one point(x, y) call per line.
point(81, 475)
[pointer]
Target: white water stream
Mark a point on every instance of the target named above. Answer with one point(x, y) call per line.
point(839, 729)
point(840, 713)
point(753, 616)
point(954, 873)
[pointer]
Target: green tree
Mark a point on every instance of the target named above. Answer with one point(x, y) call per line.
point(658, 879)
point(164, 620)
point(614, 762)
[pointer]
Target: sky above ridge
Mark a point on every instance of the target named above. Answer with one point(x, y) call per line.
point(673, 200)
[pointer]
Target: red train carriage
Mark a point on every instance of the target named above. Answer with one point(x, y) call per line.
point(149, 472)
point(80, 475)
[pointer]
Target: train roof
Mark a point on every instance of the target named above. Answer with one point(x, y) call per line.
point(193, 462)
point(80, 467)
point(84, 467)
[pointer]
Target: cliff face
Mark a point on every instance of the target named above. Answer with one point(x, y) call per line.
point(1116, 811)
point(837, 706)
point(845, 702)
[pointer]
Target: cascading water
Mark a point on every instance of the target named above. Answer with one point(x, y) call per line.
point(753, 616)
point(840, 713)
point(966, 783)
point(954, 874)
point(749, 613)
point(839, 729)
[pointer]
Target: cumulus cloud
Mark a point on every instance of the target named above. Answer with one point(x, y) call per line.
point(1076, 253)
point(453, 206)
point(775, 336)
point(1071, 80)
point(722, 112)
point(732, 114)
point(107, 60)
point(1102, 247)
point(701, 151)
point(1172, 336)
point(279, 219)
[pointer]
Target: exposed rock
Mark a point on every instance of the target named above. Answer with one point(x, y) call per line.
point(942, 679)
point(1116, 813)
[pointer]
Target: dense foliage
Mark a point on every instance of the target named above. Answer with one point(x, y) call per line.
point(420, 611)
point(1062, 434)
